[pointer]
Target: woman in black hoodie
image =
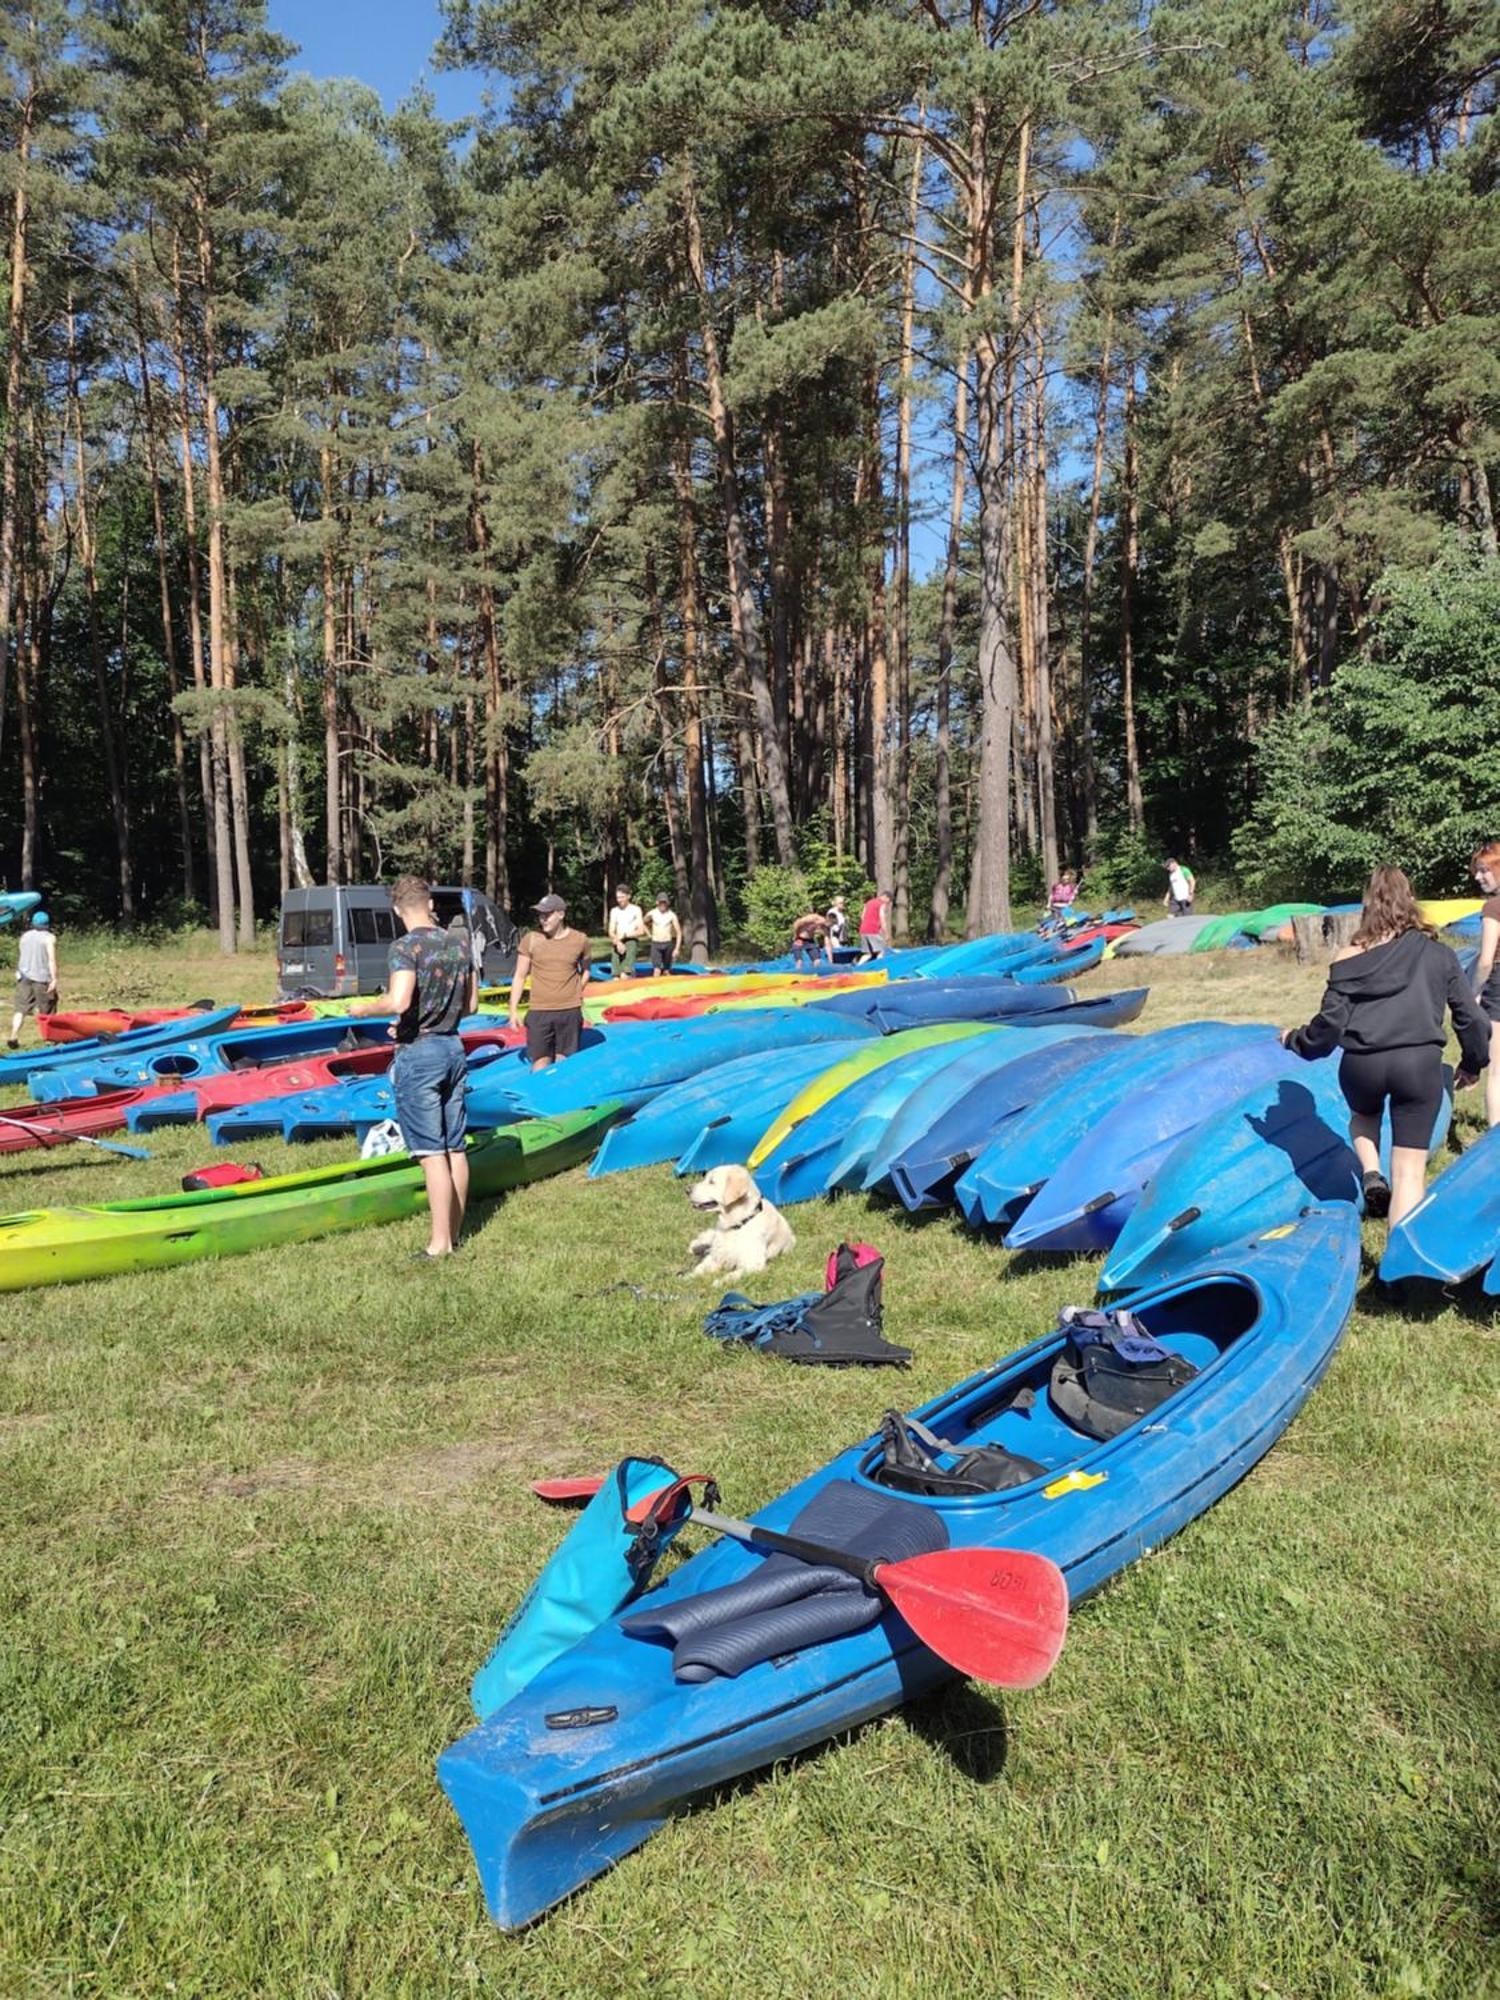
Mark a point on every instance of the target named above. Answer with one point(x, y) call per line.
point(1388, 993)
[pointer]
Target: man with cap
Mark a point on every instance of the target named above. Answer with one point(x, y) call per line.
point(36, 975)
point(556, 961)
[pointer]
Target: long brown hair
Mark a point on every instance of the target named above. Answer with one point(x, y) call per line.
point(1389, 909)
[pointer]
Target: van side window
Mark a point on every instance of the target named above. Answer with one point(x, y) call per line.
point(363, 924)
point(385, 926)
point(306, 930)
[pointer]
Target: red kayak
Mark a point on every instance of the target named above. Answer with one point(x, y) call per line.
point(75, 1117)
point(88, 1024)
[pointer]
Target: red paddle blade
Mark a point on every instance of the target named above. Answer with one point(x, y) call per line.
point(582, 1488)
point(997, 1615)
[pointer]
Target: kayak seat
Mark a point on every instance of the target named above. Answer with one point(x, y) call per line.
point(784, 1605)
point(1112, 1372)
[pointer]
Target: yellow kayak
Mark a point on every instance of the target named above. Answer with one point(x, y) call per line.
point(1450, 910)
point(868, 1056)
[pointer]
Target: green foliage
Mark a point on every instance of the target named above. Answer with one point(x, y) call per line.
point(829, 874)
point(1126, 869)
point(774, 898)
point(1400, 761)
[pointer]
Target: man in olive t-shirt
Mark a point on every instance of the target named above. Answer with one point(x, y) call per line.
point(556, 961)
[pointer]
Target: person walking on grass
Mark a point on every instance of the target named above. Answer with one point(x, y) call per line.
point(1182, 886)
point(627, 926)
point(875, 926)
point(556, 961)
point(1485, 867)
point(1061, 896)
point(36, 975)
point(666, 936)
point(430, 986)
point(1388, 993)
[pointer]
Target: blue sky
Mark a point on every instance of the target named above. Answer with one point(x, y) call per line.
point(385, 43)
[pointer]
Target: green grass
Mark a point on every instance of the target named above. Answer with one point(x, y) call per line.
point(259, 1521)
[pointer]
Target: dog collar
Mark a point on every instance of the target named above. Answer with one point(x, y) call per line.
point(730, 1227)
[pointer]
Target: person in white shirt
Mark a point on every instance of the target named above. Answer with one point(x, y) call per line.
point(627, 926)
point(838, 921)
point(36, 975)
point(1181, 888)
point(666, 936)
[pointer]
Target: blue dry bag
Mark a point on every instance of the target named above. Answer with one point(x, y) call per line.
point(605, 1561)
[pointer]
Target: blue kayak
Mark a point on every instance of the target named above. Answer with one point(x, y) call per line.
point(657, 1704)
point(984, 955)
point(906, 1002)
point(352, 1104)
point(207, 1051)
point(801, 1167)
point(926, 1173)
point(1061, 965)
point(1454, 1230)
point(74, 1059)
point(1090, 1193)
point(17, 903)
point(973, 1066)
point(1251, 1167)
point(670, 1123)
point(642, 1058)
point(1021, 1158)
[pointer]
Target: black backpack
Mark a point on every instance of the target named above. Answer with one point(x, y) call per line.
point(839, 1328)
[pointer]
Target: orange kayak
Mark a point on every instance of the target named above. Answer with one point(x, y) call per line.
point(87, 1024)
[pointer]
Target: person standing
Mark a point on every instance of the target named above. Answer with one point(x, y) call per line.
point(809, 935)
point(1388, 992)
point(1061, 898)
point(875, 925)
point(838, 922)
point(1182, 886)
point(1485, 868)
point(627, 926)
point(556, 961)
point(36, 974)
point(430, 985)
point(666, 936)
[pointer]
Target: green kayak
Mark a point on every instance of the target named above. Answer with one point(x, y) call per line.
point(58, 1246)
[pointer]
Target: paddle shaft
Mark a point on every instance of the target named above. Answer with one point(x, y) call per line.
point(50, 1135)
point(770, 1539)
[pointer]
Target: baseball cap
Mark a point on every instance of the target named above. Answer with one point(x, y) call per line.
point(548, 904)
point(41, 919)
point(662, 896)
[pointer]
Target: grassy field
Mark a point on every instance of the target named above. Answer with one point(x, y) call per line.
point(259, 1521)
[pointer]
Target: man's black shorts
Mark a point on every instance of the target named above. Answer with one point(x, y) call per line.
point(550, 1036)
point(661, 958)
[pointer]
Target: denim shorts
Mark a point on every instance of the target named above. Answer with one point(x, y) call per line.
point(429, 1082)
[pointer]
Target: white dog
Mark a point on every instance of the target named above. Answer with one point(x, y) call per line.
point(748, 1231)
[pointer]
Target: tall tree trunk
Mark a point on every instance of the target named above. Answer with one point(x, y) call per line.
point(218, 639)
point(168, 626)
point(1090, 557)
point(87, 551)
point(209, 773)
point(29, 664)
point(877, 737)
point(901, 830)
point(239, 790)
point(1041, 638)
point(942, 881)
point(744, 611)
point(333, 768)
point(15, 328)
point(1129, 557)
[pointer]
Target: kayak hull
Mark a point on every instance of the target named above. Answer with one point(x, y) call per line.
point(64, 1245)
point(1454, 1230)
point(546, 1809)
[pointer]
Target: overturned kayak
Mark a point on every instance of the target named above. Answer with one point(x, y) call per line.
point(73, 1058)
point(685, 1691)
point(669, 1124)
point(209, 1051)
point(58, 1246)
point(858, 1063)
point(1454, 1230)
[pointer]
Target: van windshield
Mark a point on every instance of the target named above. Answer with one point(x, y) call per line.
point(305, 930)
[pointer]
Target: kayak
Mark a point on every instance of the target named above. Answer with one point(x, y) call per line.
point(1454, 1230)
point(17, 903)
point(606, 1743)
point(972, 1067)
point(637, 1061)
point(665, 1127)
point(1165, 938)
point(1065, 963)
point(1090, 1193)
point(22, 1130)
point(90, 1025)
point(74, 1058)
point(925, 1175)
point(802, 1166)
point(1001, 1181)
point(906, 1002)
point(1252, 1166)
point(57, 1246)
point(205, 1053)
point(875, 1055)
point(782, 993)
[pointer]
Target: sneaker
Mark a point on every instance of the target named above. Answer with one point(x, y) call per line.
point(1377, 1195)
point(12, 1045)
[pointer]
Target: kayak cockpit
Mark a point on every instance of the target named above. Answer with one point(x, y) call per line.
point(1021, 1412)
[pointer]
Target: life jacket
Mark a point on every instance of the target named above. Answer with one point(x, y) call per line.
point(1111, 1371)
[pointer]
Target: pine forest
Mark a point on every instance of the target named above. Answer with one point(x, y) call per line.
point(774, 448)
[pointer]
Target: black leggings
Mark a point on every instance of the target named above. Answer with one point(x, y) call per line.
point(1411, 1079)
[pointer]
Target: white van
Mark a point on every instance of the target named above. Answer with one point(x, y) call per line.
point(334, 942)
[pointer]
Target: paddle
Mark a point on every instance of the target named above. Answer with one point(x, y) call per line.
point(51, 1135)
point(997, 1615)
